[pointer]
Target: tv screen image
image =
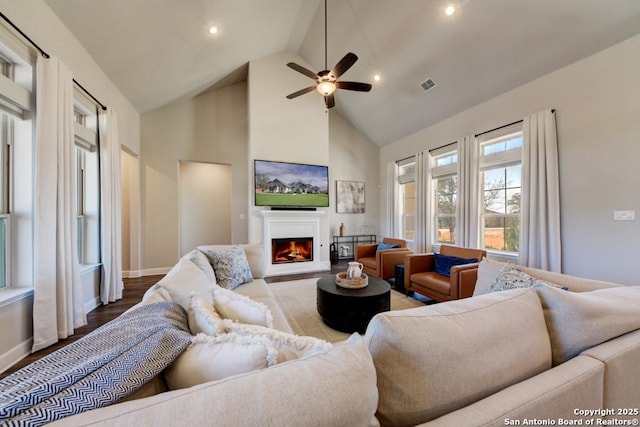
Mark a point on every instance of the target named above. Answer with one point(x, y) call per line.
point(282, 184)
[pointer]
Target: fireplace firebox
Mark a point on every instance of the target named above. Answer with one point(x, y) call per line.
point(287, 250)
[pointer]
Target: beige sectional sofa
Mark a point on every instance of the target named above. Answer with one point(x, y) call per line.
point(493, 359)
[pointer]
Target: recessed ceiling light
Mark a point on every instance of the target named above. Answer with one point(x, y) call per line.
point(213, 29)
point(450, 10)
point(377, 77)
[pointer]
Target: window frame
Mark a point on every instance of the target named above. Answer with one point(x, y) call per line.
point(446, 170)
point(408, 166)
point(503, 159)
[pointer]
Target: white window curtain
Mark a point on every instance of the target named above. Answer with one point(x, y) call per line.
point(392, 200)
point(423, 228)
point(57, 295)
point(110, 213)
point(467, 209)
point(540, 229)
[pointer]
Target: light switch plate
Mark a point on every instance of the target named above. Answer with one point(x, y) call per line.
point(624, 215)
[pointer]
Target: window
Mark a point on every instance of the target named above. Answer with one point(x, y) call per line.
point(407, 197)
point(445, 188)
point(87, 184)
point(16, 165)
point(501, 181)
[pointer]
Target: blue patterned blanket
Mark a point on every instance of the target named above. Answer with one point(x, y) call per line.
point(98, 369)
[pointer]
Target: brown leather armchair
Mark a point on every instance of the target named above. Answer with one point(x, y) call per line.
point(381, 263)
point(420, 275)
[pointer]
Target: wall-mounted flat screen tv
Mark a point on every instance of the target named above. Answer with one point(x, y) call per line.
point(295, 185)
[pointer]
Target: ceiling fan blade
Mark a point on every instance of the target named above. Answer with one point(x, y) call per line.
point(301, 69)
point(344, 64)
point(360, 87)
point(301, 92)
point(330, 101)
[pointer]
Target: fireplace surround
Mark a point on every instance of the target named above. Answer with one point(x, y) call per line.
point(284, 227)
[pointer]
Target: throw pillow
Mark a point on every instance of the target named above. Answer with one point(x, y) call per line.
point(289, 346)
point(511, 276)
point(213, 358)
point(202, 262)
point(239, 308)
point(577, 321)
point(183, 280)
point(488, 271)
point(230, 266)
point(203, 318)
point(383, 246)
point(445, 262)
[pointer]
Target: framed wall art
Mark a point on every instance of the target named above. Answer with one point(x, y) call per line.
point(349, 197)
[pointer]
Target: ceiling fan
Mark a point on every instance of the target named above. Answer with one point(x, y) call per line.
point(327, 81)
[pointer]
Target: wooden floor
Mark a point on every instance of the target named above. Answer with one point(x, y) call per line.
point(134, 289)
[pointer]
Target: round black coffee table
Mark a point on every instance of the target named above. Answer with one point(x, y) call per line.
point(350, 310)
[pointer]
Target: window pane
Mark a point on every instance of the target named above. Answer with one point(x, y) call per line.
point(513, 201)
point(514, 176)
point(446, 195)
point(494, 233)
point(514, 142)
point(446, 227)
point(408, 192)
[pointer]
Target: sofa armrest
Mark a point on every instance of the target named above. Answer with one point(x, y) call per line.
point(463, 280)
point(388, 258)
point(365, 251)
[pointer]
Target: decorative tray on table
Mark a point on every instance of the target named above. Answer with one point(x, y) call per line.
point(344, 282)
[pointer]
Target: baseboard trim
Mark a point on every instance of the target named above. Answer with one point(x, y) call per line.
point(15, 355)
point(156, 271)
point(91, 305)
point(131, 274)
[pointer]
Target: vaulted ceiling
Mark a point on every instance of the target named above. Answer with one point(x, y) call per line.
point(157, 51)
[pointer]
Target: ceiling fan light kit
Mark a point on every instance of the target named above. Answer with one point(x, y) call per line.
point(327, 81)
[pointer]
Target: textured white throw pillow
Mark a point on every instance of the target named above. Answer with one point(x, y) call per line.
point(289, 346)
point(203, 318)
point(577, 321)
point(213, 358)
point(242, 309)
point(488, 271)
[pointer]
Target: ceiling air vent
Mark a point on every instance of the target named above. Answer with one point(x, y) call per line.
point(427, 84)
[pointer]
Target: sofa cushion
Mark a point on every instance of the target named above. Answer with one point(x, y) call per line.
point(620, 357)
point(289, 346)
point(230, 266)
point(184, 279)
point(232, 305)
point(445, 262)
point(551, 395)
point(328, 389)
point(202, 262)
point(578, 321)
point(436, 359)
point(203, 318)
point(213, 358)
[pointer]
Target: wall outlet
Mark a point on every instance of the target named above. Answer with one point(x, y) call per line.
point(624, 215)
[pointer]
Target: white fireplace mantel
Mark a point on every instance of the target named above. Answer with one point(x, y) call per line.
point(279, 224)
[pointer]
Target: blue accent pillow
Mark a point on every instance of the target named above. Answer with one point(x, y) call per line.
point(385, 246)
point(445, 262)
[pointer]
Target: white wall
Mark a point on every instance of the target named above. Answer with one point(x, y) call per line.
point(210, 127)
point(353, 158)
point(597, 102)
point(205, 195)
